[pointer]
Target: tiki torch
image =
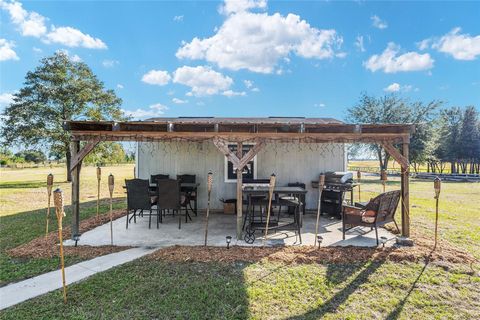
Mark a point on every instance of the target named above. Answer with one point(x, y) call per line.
point(111, 185)
point(359, 177)
point(270, 194)
point(60, 213)
point(437, 184)
point(49, 193)
point(383, 177)
point(321, 183)
point(99, 177)
point(209, 190)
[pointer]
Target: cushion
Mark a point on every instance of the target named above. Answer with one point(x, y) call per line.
point(368, 216)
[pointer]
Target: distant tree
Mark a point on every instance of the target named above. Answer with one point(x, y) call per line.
point(469, 140)
point(393, 109)
point(58, 89)
point(34, 156)
point(106, 152)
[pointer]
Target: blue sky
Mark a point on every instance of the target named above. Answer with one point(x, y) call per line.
point(251, 58)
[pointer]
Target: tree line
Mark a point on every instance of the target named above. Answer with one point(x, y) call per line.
point(444, 136)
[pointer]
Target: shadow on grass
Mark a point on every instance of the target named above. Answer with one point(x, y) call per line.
point(22, 184)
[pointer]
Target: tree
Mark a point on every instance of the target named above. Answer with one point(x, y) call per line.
point(106, 152)
point(469, 140)
point(34, 156)
point(58, 89)
point(393, 109)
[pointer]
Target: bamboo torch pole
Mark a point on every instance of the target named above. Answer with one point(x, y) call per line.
point(111, 185)
point(49, 193)
point(383, 177)
point(209, 190)
point(321, 183)
point(99, 177)
point(359, 177)
point(437, 185)
point(60, 213)
point(270, 194)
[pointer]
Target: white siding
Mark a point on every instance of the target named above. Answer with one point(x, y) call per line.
point(291, 162)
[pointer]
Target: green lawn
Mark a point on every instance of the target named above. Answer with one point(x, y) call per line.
point(157, 289)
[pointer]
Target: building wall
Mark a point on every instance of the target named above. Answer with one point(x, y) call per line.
point(291, 162)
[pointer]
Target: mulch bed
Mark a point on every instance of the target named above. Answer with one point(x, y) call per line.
point(445, 254)
point(47, 247)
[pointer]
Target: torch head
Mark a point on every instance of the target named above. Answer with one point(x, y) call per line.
point(321, 180)
point(209, 181)
point(272, 180)
point(49, 183)
point(99, 173)
point(359, 175)
point(437, 185)
point(111, 183)
point(58, 202)
point(383, 175)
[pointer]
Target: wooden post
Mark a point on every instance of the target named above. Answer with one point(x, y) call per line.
point(99, 177)
point(74, 149)
point(209, 191)
point(269, 208)
point(111, 186)
point(383, 177)
point(60, 213)
point(49, 194)
point(359, 177)
point(239, 193)
point(437, 186)
point(321, 183)
point(405, 194)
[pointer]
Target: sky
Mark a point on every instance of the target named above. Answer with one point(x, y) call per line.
point(251, 57)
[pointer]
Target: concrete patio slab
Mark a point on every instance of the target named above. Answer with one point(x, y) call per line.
point(220, 226)
point(33, 287)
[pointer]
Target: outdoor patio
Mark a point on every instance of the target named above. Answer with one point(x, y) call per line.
point(222, 225)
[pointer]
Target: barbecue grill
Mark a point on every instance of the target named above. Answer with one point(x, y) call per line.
point(336, 184)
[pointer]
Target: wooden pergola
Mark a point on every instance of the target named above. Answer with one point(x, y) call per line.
point(224, 131)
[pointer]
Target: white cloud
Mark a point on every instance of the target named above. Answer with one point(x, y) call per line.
point(34, 24)
point(396, 87)
point(202, 80)
point(320, 105)
point(424, 44)
point(28, 23)
point(179, 101)
point(231, 93)
point(6, 98)
point(154, 110)
point(120, 86)
point(234, 6)
point(378, 23)
point(359, 44)
point(178, 18)
point(259, 41)
point(390, 62)
point(6, 50)
point(72, 37)
point(200, 103)
point(110, 63)
point(459, 46)
point(156, 77)
point(250, 85)
point(37, 50)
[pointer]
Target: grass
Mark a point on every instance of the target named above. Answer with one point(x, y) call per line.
point(19, 227)
point(146, 288)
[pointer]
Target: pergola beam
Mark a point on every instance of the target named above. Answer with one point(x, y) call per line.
point(396, 154)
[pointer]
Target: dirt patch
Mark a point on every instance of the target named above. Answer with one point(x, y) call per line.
point(47, 247)
point(422, 251)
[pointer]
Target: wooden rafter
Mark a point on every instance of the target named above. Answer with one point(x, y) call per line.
point(78, 157)
point(222, 145)
point(251, 153)
point(396, 154)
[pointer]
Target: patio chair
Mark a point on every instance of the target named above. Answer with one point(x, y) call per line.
point(192, 194)
point(169, 197)
point(138, 198)
point(378, 212)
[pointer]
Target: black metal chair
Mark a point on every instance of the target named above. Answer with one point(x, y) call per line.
point(138, 198)
point(192, 194)
point(291, 209)
point(169, 197)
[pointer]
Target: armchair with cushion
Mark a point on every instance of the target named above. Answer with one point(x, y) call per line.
point(377, 212)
